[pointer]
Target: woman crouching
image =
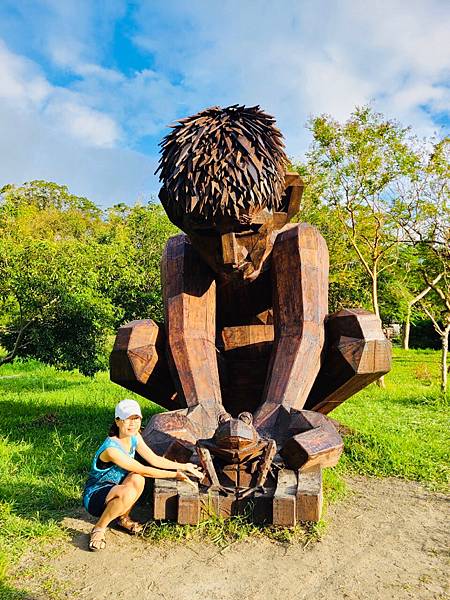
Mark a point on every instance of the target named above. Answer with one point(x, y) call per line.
point(116, 480)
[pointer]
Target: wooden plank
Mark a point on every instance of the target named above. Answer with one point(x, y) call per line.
point(188, 504)
point(309, 495)
point(300, 296)
point(284, 500)
point(165, 499)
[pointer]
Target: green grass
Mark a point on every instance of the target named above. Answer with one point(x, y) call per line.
point(51, 423)
point(402, 430)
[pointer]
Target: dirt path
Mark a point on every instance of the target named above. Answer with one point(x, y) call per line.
point(388, 540)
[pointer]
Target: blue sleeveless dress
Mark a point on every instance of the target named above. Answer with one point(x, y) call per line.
point(111, 474)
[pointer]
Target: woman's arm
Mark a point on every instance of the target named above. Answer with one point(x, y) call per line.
point(130, 464)
point(164, 463)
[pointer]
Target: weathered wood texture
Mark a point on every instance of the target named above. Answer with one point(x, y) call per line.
point(309, 499)
point(165, 499)
point(357, 353)
point(312, 440)
point(138, 362)
point(188, 504)
point(284, 500)
point(296, 497)
point(190, 315)
point(300, 291)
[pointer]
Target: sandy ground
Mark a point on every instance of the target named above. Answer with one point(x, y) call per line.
point(388, 540)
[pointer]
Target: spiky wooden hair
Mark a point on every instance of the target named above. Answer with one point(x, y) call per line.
point(222, 160)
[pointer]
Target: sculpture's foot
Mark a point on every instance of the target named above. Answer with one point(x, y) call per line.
point(174, 434)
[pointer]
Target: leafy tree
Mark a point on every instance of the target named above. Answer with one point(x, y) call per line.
point(137, 236)
point(347, 280)
point(425, 219)
point(357, 165)
point(51, 300)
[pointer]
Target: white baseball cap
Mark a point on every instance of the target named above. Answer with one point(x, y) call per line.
point(126, 408)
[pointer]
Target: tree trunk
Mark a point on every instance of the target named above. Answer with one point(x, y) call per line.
point(407, 328)
point(17, 345)
point(407, 323)
point(376, 310)
point(444, 357)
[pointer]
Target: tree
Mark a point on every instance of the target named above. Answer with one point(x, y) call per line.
point(70, 275)
point(136, 237)
point(347, 279)
point(424, 217)
point(51, 301)
point(358, 164)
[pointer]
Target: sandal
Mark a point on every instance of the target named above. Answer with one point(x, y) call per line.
point(97, 539)
point(129, 525)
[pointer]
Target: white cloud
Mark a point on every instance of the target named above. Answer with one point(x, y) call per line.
point(23, 85)
point(81, 122)
point(52, 133)
point(32, 150)
point(293, 58)
point(297, 59)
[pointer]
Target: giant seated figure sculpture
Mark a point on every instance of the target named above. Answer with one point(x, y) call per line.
point(246, 326)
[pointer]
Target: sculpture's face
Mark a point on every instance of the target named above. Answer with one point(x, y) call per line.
point(235, 247)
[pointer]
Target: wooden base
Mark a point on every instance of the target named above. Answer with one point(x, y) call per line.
point(297, 497)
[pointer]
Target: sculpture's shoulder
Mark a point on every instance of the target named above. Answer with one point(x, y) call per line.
point(182, 269)
point(176, 246)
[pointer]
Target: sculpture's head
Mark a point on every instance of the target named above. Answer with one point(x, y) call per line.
point(235, 433)
point(225, 184)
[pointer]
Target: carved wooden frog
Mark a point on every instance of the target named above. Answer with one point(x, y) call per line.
point(236, 442)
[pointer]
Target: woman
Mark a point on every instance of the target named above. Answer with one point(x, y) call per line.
point(117, 480)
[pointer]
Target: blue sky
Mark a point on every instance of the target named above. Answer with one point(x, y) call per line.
point(87, 88)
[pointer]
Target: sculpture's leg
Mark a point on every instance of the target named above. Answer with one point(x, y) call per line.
point(172, 434)
point(138, 363)
point(300, 295)
point(356, 354)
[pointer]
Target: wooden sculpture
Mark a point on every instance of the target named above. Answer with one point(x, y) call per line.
point(247, 361)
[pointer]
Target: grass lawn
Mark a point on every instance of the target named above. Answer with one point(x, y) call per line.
point(52, 422)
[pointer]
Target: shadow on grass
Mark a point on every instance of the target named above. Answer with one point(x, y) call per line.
point(8, 592)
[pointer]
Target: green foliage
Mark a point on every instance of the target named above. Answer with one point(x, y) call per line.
point(354, 167)
point(69, 275)
point(136, 238)
point(402, 430)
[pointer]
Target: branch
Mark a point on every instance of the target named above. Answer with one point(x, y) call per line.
point(17, 345)
point(439, 292)
point(425, 291)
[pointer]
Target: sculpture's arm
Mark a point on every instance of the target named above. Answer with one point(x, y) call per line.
point(190, 313)
point(300, 305)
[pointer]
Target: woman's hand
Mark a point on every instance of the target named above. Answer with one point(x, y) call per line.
point(193, 470)
point(181, 476)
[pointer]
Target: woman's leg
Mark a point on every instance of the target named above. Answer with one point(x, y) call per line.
point(121, 499)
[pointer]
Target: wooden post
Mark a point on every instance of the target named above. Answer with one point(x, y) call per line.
point(188, 504)
point(284, 501)
point(165, 499)
point(309, 495)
